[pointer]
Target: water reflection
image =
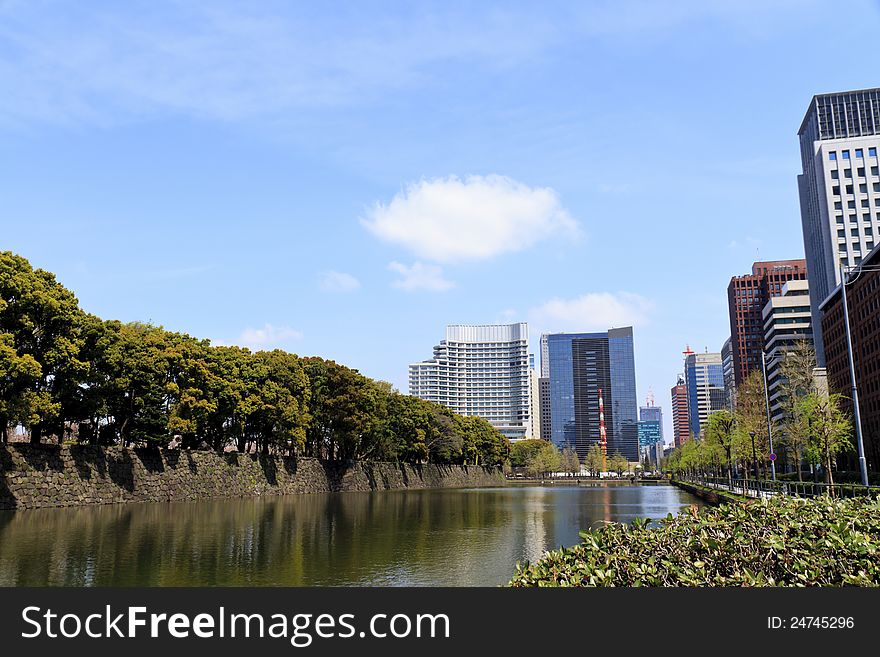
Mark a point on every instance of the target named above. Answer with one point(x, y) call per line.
point(395, 538)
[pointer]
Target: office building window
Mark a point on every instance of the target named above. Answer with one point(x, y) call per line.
point(847, 173)
point(859, 153)
point(872, 152)
point(835, 174)
point(832, 155)
point(861, 171)
point(845, 155)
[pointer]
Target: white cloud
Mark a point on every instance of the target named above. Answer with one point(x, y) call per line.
point(337, 281)
point(268, 337)
point(452, 219)
point(419, 276)
point(596, 311)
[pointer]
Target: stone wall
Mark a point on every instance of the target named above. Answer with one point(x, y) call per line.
point(35, 476)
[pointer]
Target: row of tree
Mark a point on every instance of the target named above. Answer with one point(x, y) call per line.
point(815, 428)
point(539, 457)
point(68, 375)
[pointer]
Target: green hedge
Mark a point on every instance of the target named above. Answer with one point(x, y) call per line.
point(778, 542)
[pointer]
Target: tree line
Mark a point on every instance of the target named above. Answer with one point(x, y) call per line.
point(70, 376)
point(815, 430)
point(539, 457)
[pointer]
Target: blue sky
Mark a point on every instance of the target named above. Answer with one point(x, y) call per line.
point(345, 178)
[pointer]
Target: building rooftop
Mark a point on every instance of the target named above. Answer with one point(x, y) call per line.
point(838, 98)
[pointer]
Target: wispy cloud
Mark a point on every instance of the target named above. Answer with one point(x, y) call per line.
point(475, 218)
point(420, 276)
point(595, 311)
point(268, 336)
point(337, 281)
point(230, 61)
point(111, 62)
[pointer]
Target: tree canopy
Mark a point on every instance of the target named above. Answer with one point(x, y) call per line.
point(70, 375)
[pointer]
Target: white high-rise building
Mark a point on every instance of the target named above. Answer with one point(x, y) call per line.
point(481, 370)
point(787, 322)
point(839, 190)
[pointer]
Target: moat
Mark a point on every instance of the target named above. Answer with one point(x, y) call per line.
point(444, 537)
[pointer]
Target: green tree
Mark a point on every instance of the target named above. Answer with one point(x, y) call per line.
point(18, 375)
point(720, 431)
point(827, 428)
point(523, 450)
point(797, 371)
point(43, 319)
point(569, 461)
point(545, 460)
point(618, 463)
point(752, 440)
point(595, 460)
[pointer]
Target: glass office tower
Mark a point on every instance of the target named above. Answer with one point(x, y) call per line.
point(583, 367)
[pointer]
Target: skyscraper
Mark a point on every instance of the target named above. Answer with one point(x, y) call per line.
point(480, 370)
point(587, 369)
point(746, 297)
point(680, 423)
point(839, 189)
point(651, 431)
point(650, 412)
point(704, 380)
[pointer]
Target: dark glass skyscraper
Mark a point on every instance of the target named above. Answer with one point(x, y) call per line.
point(584, 366)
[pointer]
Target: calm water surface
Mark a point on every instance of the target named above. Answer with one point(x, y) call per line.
point(464, 537)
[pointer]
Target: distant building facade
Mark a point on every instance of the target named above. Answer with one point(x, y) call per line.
point(480, 370)
point(787, 322)
point(650, 440)
point(704, 381)
point(544, 392)
point(534, 400)
point(746, 297)
point(680, 422)
point(839, 190)
point(584, 370)
point(863, 299)
point(727, 371)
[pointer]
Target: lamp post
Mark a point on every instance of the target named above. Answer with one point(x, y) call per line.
point(767, 402)
point(863, 465)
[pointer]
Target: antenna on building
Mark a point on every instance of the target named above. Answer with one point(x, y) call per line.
point(649, 400)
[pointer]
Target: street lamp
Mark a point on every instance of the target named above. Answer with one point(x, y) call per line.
point(767, 402)
point(863, 465)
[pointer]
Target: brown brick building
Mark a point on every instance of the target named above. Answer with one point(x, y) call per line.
point(746, 297)
point(680, 423)
point(863, 298)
